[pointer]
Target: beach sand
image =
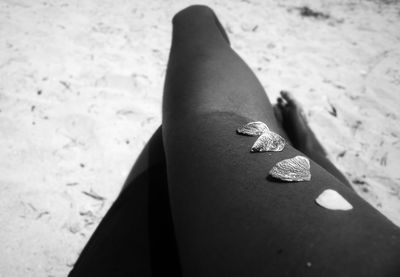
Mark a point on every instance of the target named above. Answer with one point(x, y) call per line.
point(80, 94)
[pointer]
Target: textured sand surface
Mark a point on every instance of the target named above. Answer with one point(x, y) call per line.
point(80, 94)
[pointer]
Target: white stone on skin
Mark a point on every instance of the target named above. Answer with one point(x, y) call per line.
point(332, 200)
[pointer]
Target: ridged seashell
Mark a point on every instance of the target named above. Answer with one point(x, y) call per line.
point(332, 200)
point(268, 141)
point(253, 128)
point(292, 170)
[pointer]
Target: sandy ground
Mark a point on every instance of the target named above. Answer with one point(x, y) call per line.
point(80, 94)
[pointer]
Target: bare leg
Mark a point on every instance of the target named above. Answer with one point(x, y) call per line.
point(230, 220)
point(136, 236)
point(290, 114)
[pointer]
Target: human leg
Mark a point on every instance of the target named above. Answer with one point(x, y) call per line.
point(230, 220)
point(136, 236)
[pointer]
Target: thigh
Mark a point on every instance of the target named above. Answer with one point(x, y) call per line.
point(231, 219)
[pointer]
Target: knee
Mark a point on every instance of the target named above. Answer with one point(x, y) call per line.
point(192, 13)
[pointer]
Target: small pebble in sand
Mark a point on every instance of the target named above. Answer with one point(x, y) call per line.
point(74, 228)
point(269, 141)
point(292, 170)
point(308, 12)
point(253, 129)
point(332, 200)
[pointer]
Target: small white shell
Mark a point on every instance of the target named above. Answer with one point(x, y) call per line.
point(332, 200)
point(253, 128)
point(269, 141)
point(292, 170)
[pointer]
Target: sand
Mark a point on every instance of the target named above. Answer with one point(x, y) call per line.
point(80, 94)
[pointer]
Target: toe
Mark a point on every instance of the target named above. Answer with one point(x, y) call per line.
point(286, 95)
point(291, 100)
point(278, 113)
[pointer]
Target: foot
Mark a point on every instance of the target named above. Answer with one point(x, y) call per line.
point(291, 115)
point(293, 120)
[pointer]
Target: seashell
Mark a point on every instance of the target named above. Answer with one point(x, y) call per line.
point(253, 128)
point(268, 141)
point(332, 200)
point(292, 170)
